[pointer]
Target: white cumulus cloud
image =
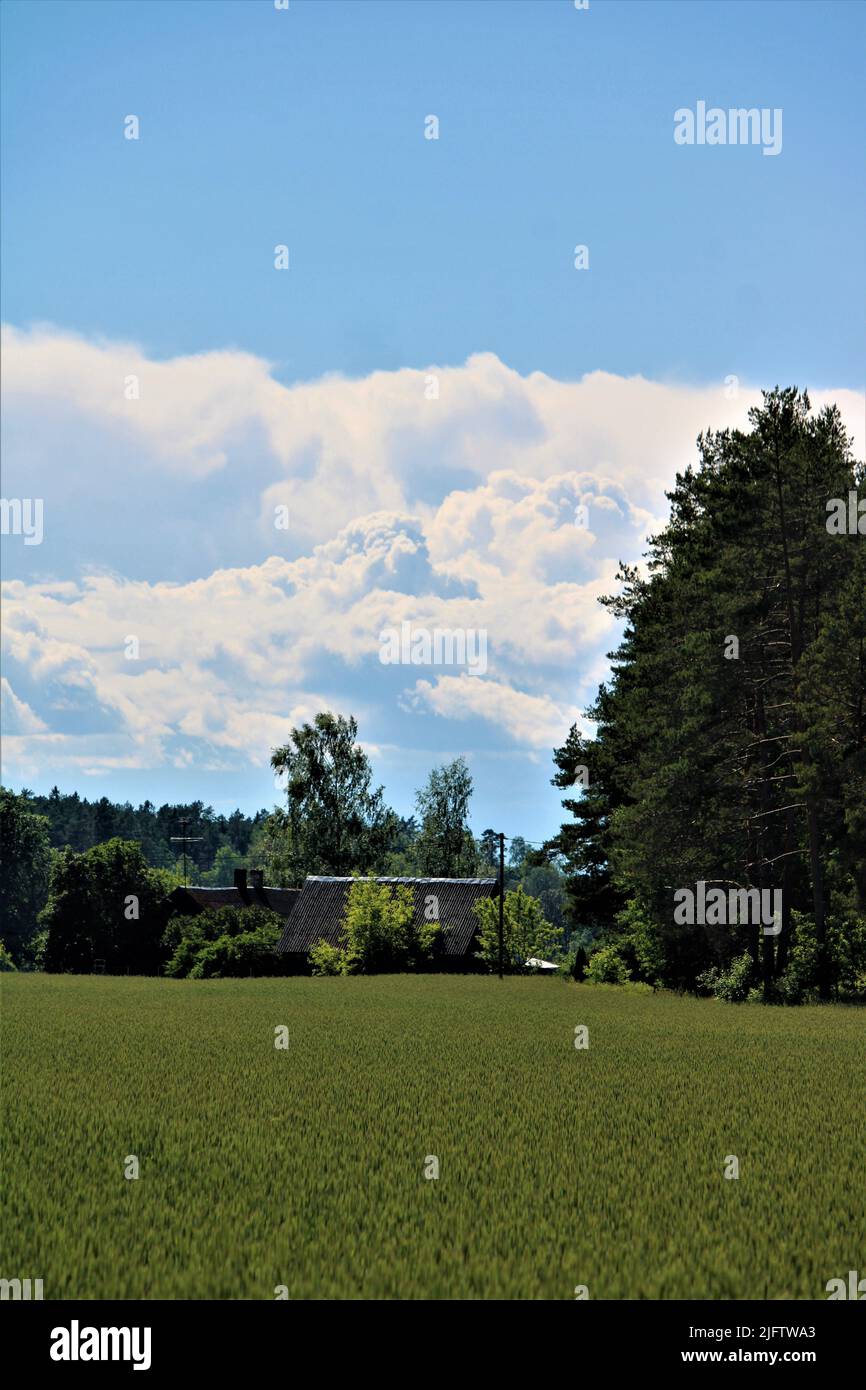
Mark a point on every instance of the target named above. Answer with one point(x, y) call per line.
point(503, 505)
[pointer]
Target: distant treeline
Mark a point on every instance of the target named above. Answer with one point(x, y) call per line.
point(81, 824)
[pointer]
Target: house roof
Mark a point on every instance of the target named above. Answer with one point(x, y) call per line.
point(321, 907)
point(281, 900)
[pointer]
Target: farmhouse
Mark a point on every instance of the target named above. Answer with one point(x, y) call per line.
point(319, 912)
point(247, 892)
point(316, 911)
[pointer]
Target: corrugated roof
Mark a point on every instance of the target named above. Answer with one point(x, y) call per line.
point(281, 900)
point(320, 910)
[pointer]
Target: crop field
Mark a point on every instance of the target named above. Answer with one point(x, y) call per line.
point(304, 1166)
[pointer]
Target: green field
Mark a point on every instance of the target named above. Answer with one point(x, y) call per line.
point(305, 1167)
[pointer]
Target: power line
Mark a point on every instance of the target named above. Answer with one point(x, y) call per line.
point(185, 839)
point(537, 844)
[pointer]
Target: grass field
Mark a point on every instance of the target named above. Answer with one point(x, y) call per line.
point(305, 1167)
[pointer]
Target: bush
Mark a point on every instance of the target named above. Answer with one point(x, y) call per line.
point(6, 961)
point(706, 982)
point(326, 959)
point(639, 941)
point(379, 933)
point(223, 941)
point(846, 950)
point(846, 944)
point(606, 967)
point(798, 983)
point(735, 984)
point(250, 953)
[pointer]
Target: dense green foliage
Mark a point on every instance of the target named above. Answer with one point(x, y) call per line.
point(223, 941)
point(606, 967)
point(526, 933)
point(335, 821)
point(81, 824)
point(106, 910)
point(380, 933)
point(730, 743)
point(444, 847)
point(25, 861)
point(305, 1167)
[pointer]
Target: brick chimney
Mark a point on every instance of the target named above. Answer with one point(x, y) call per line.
point(257, 880)
point(241, 883)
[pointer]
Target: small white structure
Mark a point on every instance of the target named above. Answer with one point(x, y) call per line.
point(536, 964)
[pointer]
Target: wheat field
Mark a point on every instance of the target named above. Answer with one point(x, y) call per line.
point(306, 1170)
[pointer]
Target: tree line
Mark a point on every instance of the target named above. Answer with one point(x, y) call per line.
point(106, 906)
point(81, 824)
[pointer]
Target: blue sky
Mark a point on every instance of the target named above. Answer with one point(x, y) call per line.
point(409, 258)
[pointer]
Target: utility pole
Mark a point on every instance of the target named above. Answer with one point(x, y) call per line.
point(184, 839)
point(501, 898)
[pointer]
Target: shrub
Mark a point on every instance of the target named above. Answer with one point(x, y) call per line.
point(378, 925)
point(799, 980)
point(734, 984)
point(326, 959)
point(223, 941)
point(639, 941)
point(379, 932)
point(250, 953)
point(846, 949)
point(706, 982)
point(606, 967)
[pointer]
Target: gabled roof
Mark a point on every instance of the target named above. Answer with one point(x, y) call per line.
point(191, 900)
point(320, 910)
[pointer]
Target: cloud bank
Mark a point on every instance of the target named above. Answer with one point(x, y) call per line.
point(221, 551)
